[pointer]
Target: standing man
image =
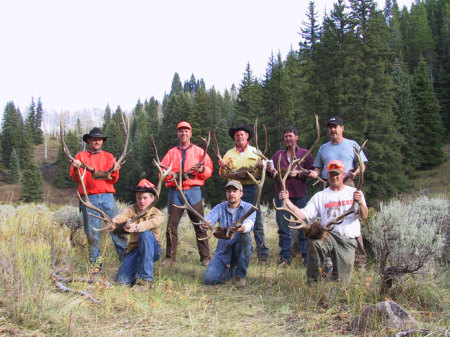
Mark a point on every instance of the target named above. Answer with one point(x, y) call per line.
point(190, 156)
point(100, 192)
point(296, 186)
point(244, 156)
point(143, 248)
point(341, 241)
point(232, 257)
point(342, 149)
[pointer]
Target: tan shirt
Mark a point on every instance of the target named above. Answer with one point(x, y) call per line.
point(153, 221)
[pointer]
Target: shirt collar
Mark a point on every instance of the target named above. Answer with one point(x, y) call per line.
point(242, 149)
point(92, 152)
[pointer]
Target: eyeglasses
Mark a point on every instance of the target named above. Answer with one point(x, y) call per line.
point(335, 167)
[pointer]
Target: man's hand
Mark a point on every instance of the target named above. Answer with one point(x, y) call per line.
point(294, 173)
point(197, 168)
point(113, 225)
point(76, 163)
point(131, 228)
point(283, 195)
point(116, 167)
point(240, 229)
point(358, 197)
point(259, 164)
point(221, 163)
point(270, 168)
point(313, 174)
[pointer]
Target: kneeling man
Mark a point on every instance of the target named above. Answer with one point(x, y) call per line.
point(232, 257)
point(340, 243)
point(143, 247)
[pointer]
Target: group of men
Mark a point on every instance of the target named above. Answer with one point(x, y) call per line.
point(335, 162)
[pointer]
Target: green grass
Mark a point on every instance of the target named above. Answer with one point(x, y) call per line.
point(276, 302)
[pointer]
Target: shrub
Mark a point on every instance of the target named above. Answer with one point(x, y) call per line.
point(407, 236)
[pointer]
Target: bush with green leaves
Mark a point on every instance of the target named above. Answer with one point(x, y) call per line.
point(408, 236)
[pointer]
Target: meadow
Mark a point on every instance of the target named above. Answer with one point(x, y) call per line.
point(276, 302)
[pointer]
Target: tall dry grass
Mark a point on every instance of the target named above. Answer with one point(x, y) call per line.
point(276, 302)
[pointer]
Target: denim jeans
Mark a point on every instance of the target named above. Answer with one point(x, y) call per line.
point(258, 229)
point(234, 253)
point(284, 235)
point(106, 202)
point(138, 264)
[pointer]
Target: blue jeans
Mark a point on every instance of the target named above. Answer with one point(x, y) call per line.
point(106, 202)
point(284, 239)
point(234, 253)
point(138, 264)
point(258, 228)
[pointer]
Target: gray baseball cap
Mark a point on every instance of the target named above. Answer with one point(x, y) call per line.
point(235, 183)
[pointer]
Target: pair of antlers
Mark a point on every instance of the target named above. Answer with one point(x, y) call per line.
point(184, 175)
point(214, 229)
point(105, 217)
point(242, 172)
point(99, 175)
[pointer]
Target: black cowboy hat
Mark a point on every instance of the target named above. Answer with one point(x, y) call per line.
point(145, 186)
point(95, 133)
point(239, 127)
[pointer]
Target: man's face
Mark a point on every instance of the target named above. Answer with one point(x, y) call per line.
point(336, 180)
point(144, 199)
point(336, 132)
point(290, 139)
point(184, 135)
point(241, 138)
point(95, 144)
point(233, 195)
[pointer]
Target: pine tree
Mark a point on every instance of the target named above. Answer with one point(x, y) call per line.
point(249, 100)
point(12, 124)
point(14, 168)
point(406, 117)
point(32, 185)
point(176, 87)
point(428, 120)
point(26, 146)
point(38, 134)
point(30, 121)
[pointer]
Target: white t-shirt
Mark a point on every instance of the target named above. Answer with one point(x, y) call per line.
point(329, 204)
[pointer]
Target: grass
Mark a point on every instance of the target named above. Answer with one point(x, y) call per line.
point(276, 302)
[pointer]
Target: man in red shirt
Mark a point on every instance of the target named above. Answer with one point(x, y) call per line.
point(100, 192)
point(189, 155)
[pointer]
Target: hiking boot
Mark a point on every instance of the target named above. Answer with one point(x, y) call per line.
point(142, 285)
point(167, 262)
point(205, 262)
point(240, 282)
point(96, 268)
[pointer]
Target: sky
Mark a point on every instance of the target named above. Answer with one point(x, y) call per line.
point(87, 54)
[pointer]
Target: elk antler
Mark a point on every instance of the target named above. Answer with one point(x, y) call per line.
point(64, 146)
point(258, 151)
point(217, 153)
point(254, 208)
point(283, 179)
point(206, 142)
point(189, 208)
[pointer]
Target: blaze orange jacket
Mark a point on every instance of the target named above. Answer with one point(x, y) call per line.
point(102, 161)
point(193, 155)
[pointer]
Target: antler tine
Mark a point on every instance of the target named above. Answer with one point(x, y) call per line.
point(255, 130)
point(259, 187)
point(188, 207)
point(206, 142)
point(65, 148)
point(126, 129)
point(90, 205)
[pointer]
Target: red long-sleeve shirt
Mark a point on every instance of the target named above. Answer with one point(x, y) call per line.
point(101, 161)
point(193, 155)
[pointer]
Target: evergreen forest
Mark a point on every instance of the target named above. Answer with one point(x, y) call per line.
point(385, 72)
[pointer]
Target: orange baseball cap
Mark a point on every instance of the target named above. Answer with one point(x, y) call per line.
point(336, 166)
point(184, 124)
